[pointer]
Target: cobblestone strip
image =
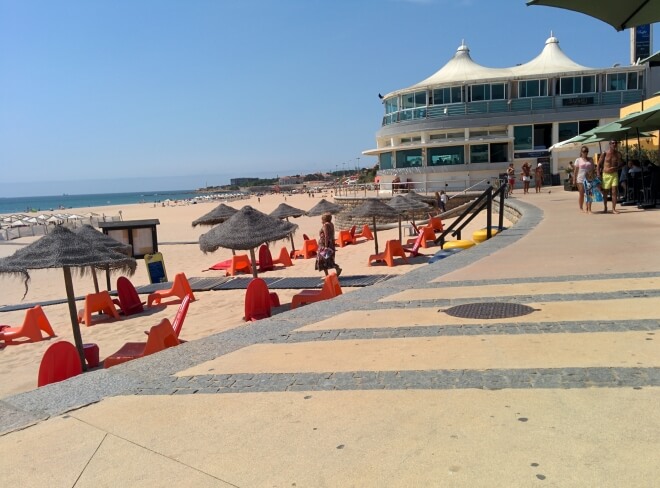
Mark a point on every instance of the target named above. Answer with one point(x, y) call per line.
point(512, 328)
point(541, 279)
point(495, 379)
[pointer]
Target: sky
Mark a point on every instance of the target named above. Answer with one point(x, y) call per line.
point(139, 95)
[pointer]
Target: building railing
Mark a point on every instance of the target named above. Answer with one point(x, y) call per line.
point(514, 105)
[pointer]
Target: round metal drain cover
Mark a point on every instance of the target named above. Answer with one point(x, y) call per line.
point(491, 310)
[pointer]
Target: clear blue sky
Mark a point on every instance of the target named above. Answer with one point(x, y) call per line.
point(180, 93)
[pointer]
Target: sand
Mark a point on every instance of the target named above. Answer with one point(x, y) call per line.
point(212, 312)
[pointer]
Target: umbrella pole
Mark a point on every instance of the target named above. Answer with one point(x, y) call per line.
point(375, 236)
point(400, 235)
point(96, 280)
point(68, 284)
point(293, 247)
point(107, 278)
point(254, 263)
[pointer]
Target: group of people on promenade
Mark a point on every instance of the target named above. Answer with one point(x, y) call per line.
point(526, 177)
point(600, 181)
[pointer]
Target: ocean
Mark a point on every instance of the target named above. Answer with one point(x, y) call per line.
point(59, 202)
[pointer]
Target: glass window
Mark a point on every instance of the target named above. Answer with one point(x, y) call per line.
point(455, 135)
point(522, 136)
point(391, 105)
point(409, 159)
point(479, 93)
point(420, 99)
point(441, 156)
point(456, 94)
point(532, 88)
point(408, 101)
point(498, 91)
point(479, 153)
point(499, 152)
point(478, 133)
point(632, 81)
point(566, 86)
point(586, 125)
point(588, 84)
point(567, 130)
point(616, 81)
point(435, 137)
point(385, 160)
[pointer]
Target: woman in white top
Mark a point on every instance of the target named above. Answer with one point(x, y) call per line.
point(583, 164)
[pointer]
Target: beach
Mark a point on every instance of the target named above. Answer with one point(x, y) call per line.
point(212, 311)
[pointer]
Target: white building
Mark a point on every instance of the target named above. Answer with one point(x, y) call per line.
point(463, 125)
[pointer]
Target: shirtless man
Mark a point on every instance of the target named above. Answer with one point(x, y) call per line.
point(608, 166)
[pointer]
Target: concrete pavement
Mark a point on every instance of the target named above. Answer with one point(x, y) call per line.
point(406, 383)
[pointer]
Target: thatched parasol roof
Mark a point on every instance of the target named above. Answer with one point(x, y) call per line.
point(284, 211)
point(61, 248)
point(64, 249)
point(324, 207)
point(404, 205)
point(414, 196)
point(216, 216)
point(373, 207)
point(90, 233)
point(246, 229)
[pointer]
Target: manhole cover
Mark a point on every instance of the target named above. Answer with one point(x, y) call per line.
point(489, 310)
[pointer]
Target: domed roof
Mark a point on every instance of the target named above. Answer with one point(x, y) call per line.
point(551, 60)
point(462, 68)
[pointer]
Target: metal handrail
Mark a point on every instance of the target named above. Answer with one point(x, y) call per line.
point(469, 188)
point(473, 210)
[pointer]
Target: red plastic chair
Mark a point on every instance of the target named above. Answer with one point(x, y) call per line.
point(180, 316)
point(161, 337)
point(180, 288)
point(34, 323)
point(97, 302)
point(265, 259)
point(60, 361)
point(331, 288)
point(284, 259)
point(129, 300)
point(309, 249)
point(366, 233)
point(258, 300)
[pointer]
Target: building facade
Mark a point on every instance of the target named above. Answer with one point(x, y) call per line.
point(461, 127)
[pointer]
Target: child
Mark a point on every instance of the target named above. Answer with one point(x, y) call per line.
point(592, 190)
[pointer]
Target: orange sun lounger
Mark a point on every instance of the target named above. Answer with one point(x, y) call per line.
point(180, 288)
point(284, 259)
point(428, 235)
point(366, 233)
point(331, 289)
point(97, 302)
point(309, 249)
point(161, 337)
point(239, 263)
point(345, 238)
point(34, 323)
point(393, 249)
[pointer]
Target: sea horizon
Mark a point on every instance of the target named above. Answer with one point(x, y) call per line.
point(65, 201)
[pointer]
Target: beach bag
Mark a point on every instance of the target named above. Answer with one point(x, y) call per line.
point(326, 253)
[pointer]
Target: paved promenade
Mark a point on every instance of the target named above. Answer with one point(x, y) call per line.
point(532, 359)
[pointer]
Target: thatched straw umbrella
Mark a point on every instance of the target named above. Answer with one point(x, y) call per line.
point(284, 211)
point(373, 207)
point(216, 216)
point(103, 240)
point(324, 207)
point(406, 205)
point(246, 229)
point(415, 197)
point(64, 249)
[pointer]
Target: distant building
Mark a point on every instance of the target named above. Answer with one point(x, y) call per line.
point(289, 180)
point(242, 181)
point(463, 125)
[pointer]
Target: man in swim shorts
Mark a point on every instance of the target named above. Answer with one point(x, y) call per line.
point(608, 165)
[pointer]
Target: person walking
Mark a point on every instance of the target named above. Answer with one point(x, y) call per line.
point(608, 167)
point(538, 177)
point(526, 175)
point(582, 165)
point(511, 177)
point(325, 258)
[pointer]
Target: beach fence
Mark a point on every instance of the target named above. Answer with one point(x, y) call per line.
point(9, 233)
